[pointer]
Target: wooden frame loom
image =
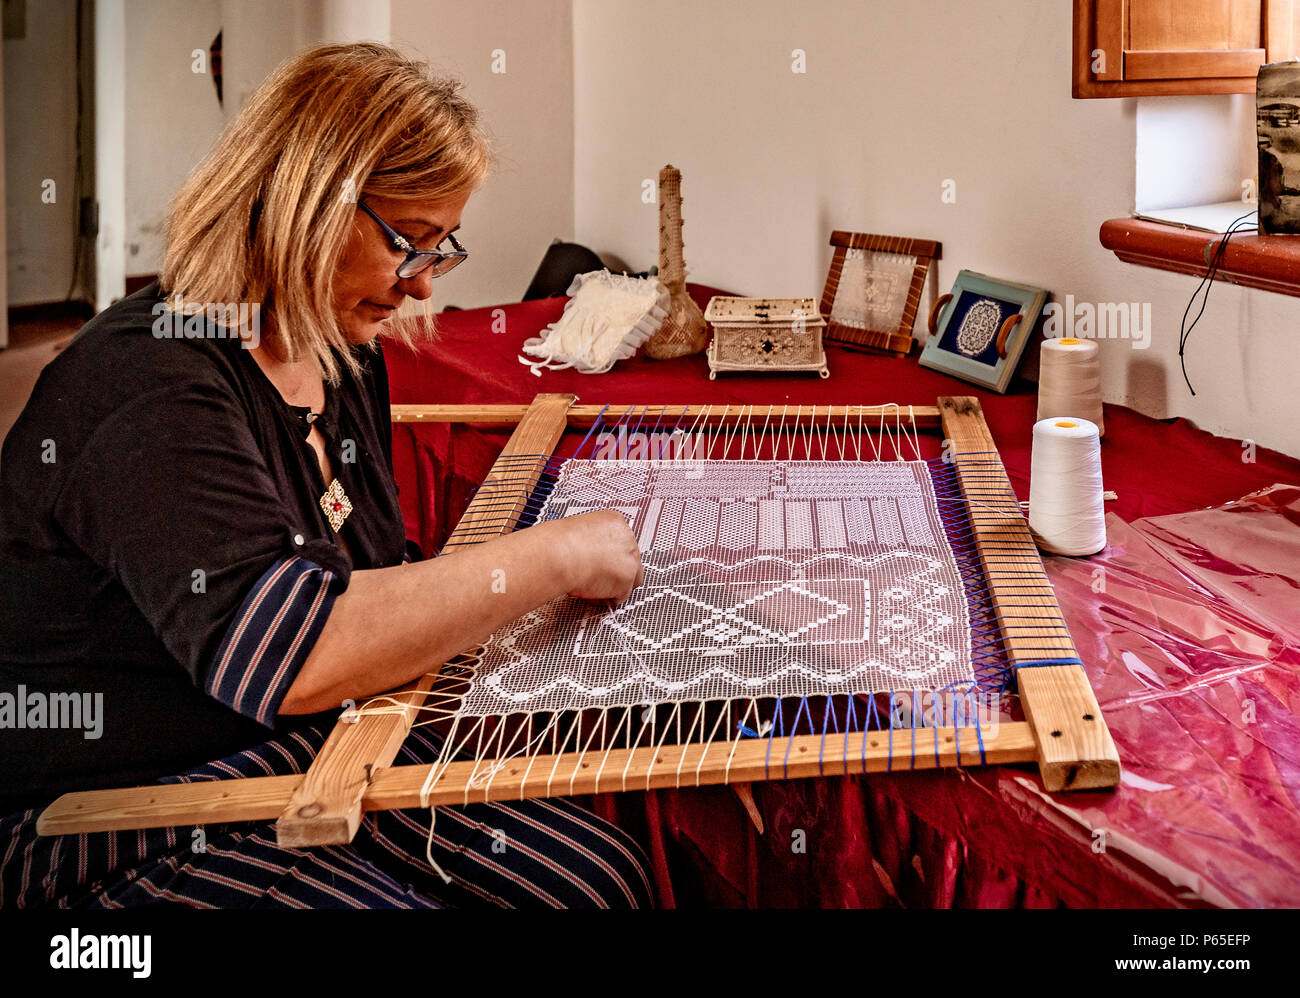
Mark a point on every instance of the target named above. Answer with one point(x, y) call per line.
point(1064, 732)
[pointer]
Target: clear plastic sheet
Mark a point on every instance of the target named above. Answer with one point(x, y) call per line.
point(1190, 625)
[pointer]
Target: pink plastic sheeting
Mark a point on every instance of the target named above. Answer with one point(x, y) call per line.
point(1190, 625)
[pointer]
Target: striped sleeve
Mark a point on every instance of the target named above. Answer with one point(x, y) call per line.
point(271, 636)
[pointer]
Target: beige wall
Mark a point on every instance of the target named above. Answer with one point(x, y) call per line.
point(40, 108)
point(528, 110)
point(258, 36)
point(900, 95)
point(172, 114)
point(598, 94)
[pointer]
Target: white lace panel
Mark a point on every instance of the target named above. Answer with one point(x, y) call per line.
point(762, 579)
point(873, 289)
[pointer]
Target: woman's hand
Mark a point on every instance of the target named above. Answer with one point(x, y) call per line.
point(603, 554)
point(393, 624)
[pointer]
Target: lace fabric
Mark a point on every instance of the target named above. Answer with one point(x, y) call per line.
point(756, 585)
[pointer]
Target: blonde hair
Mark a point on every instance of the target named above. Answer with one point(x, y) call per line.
point(265, 218)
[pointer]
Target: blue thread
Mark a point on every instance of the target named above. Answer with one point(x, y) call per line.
point(873, 714)
point(803, 706)
point(889, 760)
point(1048, 661)
point(771, 734)
point(849, 719)
point(916, 702)
point(596, 424)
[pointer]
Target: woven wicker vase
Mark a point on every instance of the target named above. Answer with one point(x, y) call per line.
point(683, 332)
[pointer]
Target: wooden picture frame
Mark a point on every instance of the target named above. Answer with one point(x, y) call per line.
point(874, 306)
point(979, 330)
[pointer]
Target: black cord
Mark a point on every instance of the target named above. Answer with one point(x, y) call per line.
point(1207, 282)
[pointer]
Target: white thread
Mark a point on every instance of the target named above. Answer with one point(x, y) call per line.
point(1066, 514)
point(428, 848)
point(763, 435)
point(916, 434)
point(1069, 381)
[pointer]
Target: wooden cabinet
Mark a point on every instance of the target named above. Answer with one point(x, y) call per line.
point(1143, 48)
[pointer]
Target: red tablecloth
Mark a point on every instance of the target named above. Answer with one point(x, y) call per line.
point(1188, 623)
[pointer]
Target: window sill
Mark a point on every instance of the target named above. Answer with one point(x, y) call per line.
point(1269, 263)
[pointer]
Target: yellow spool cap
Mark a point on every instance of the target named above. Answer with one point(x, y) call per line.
point(1069, 341)
point(1066, 425)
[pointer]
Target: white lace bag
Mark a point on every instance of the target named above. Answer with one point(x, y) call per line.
point(607, 318)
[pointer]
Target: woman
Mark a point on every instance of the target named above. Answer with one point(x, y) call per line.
point(202, 547)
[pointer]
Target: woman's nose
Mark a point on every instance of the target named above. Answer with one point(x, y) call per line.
point(420, 286)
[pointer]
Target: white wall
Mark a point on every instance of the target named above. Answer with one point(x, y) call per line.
point(167, 120)
point(257, 36)
point(1195, 150)
point(528, 110)
point(900, 95)
point(172, 114)
point(40, 108)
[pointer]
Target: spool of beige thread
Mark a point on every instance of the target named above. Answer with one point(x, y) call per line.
point(1069, 381)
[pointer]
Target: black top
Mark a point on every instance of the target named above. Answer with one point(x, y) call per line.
point(162, 543)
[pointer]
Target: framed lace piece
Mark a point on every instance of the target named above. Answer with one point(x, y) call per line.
point(873, 290)
point(979, 330)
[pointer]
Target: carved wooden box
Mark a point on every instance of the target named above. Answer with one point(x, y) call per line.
point(765, 334)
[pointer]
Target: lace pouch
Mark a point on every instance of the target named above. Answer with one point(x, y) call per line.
point(606, 320)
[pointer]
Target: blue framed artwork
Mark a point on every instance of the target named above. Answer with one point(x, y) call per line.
point(979, 331)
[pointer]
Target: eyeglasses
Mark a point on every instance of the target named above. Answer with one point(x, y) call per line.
point(418, 261)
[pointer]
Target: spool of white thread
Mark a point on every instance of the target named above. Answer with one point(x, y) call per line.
point(1066, 513)
point(1069, 381)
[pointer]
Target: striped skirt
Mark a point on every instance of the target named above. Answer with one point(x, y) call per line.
point(540, 853)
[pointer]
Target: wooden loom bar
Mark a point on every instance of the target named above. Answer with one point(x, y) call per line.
point(921, 416)
point(887, 244)
point(648, 767)
point(326, 809)
point(1075, 747)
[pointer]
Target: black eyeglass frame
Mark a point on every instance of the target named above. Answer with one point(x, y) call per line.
point(441, 260)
